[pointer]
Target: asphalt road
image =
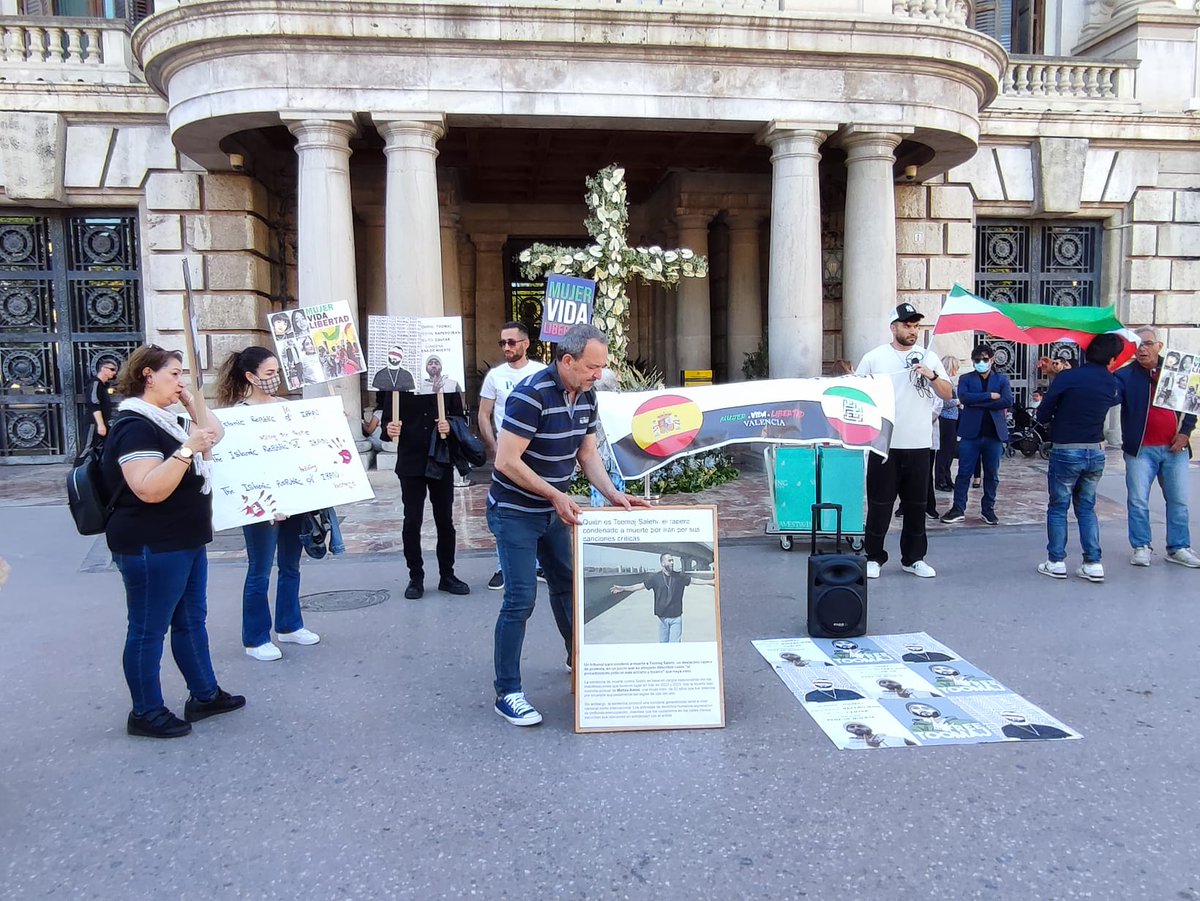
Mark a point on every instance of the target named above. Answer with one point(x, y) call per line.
point(372, 766)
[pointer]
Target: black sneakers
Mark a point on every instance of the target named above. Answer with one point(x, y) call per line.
point(496, 582)
point(953, 515)
point(415, 589)
point(990, 519)
point(453, 585)
point(160, 723)
point(221, 702)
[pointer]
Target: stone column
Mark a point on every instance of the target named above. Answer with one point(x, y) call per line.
point(869, 269)
point(451, 279)
point(413, 231)
point(744, 312)
point(794, 293)
point(693, 323)
point(325, 224)
point(490, 296)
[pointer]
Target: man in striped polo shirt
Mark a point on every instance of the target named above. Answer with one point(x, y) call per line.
point(549, 425)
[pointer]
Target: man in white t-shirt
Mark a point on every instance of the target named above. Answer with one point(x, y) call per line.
point(917, 377)
point(497, 386)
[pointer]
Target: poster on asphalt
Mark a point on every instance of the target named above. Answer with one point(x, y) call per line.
point(647, 651)
point(648, 429)
point(316, 344)
point(903, 691)
point(284, 458)
point(1179, 382)
point(421, 354)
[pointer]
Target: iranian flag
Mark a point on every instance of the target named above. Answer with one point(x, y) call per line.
point(1032, 323)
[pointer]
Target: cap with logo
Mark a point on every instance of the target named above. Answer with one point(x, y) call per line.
point(906, 312)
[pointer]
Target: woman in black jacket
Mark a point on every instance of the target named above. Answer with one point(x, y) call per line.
point(157, 534)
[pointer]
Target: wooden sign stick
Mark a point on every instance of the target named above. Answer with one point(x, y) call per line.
point(441, 402)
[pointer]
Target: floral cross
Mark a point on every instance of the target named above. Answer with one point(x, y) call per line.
point(611, 262)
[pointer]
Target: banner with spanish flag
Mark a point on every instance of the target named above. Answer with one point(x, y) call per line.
point(648, 429)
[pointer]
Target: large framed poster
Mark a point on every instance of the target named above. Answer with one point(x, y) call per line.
point(647, 620)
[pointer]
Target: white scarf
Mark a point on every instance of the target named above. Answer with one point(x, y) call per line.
point(170, 425)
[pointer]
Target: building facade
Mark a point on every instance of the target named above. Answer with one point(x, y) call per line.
point(829, 156)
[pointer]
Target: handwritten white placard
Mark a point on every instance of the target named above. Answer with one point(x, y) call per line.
point(284, 458)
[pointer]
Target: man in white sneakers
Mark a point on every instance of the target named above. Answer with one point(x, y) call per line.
point(917, 376)
point(497, 386)
point(1155, 442)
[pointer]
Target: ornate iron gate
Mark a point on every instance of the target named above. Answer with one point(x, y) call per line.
point(1036, 262)
point(70, 296)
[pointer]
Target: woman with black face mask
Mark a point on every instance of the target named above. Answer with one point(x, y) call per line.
point(251, 376)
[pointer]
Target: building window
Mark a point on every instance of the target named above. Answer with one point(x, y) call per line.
point(132, 11)
point(1020, 261)
point(1016, 24)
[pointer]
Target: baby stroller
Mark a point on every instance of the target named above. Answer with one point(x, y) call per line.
point(1027, 435)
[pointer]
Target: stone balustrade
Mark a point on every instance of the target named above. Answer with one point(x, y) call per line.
point(65, 50)
point(1067, 79)
point(947, 12)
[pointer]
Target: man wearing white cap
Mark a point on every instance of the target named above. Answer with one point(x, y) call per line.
point(917, 376)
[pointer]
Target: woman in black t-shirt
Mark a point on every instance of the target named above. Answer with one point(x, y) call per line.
point(157, 534)
point(251, 376)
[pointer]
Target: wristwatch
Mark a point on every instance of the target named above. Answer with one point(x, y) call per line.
point(184, 454)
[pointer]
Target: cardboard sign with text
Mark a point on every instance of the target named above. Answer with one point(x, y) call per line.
point(424, 355)
point(316, 344)
point(568, 302)
point(286, 458)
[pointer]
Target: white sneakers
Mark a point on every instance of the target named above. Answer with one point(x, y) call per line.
point(921, 569)
point(1093, 572)
point(266, 651)
point(300, 636)
point(1053, 569)
point(1184, 557)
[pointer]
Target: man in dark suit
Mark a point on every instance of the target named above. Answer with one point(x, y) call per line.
point(986, 397)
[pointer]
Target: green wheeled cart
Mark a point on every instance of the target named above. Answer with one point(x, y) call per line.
point(799, 477)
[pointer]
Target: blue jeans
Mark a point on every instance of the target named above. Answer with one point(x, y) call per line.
point(1072, 478)
point(522, 541)
point(1171, 471)
point(971, 450)
point(670, 628)
point(165, 590)
point(267, 542)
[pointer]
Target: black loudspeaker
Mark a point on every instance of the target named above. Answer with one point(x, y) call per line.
point(837, 587)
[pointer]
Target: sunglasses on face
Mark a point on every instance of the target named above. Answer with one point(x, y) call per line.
point(510, 342)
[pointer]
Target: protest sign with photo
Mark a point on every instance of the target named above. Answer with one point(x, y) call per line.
point(407, 353)
point(648, 620)
point(284, 458)
point(568, 302)
point(316, 344)
point(897, 691)
point(1179, 382)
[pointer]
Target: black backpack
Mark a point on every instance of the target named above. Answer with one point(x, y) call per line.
point(88, 496)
